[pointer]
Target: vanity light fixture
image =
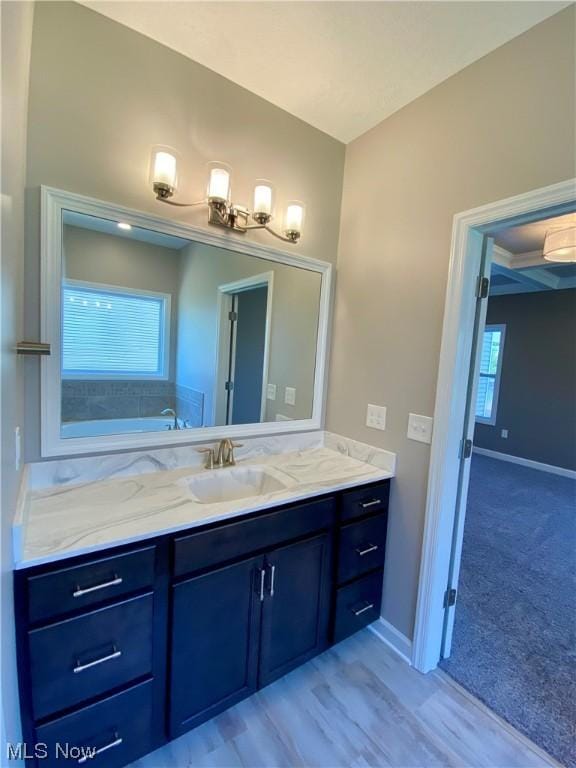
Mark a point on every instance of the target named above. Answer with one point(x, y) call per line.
point(560, 245)
point(221, 211)
point(124, 225)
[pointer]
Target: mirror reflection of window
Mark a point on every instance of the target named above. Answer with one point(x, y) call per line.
point(161, 333)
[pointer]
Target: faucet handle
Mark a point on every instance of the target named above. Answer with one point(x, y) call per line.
point(209, 457)
point(232, 445)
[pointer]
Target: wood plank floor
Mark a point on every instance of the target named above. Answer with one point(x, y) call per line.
point(356, 705)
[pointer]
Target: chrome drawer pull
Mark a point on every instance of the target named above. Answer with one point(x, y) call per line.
point(362, 610)
point(81, 667)
point(113, 583)
point(372, 503)
point(369, 548)
point(116, 743)
point(272, 579)
point(262, 580)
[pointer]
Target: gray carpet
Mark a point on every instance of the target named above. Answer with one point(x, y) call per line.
point(514, 636)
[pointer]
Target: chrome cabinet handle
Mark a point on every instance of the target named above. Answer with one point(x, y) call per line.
point(369, 548)
point(79, 591)
point(262, 580)
point(116, 743)
point(81, 667)
point(372, 503)
point(360, 611)
point(272, 579)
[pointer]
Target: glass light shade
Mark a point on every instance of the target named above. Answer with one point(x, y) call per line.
point(219, 182)
point(294, 218)
point(263, 197)
point(560, 244)
point(163, 168)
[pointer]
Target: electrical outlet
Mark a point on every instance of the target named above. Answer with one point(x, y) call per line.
point(271, 391)
point(376, 416)
point(290, 396)
point(504, 434)
point(420, 428)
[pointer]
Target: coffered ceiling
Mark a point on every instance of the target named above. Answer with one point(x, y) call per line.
point(340, 66)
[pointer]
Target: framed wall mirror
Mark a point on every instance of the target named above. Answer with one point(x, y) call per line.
point(162, 333)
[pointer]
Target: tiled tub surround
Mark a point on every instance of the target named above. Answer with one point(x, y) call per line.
point(77, 506)
point(87, 400)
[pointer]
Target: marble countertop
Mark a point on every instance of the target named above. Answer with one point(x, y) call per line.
point(64, 521)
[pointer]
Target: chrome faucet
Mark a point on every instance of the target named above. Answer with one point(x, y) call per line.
point(171, 412)
point(222, 455)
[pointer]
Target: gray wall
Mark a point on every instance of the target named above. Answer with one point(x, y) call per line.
point(295, 307)
point(502, 126)
point(97, 257)
point(102, 95)
point(537, 402)
point(16, 21)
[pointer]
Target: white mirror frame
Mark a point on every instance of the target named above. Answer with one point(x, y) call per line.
point(54, 202)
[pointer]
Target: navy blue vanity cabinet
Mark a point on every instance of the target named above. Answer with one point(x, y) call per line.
point(214, 644)
point(296, 608)
point(91, 642)
point(124, 649)
point(361, 551)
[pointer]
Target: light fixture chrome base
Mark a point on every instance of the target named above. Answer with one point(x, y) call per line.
point(262, 218)
point(228, 216)
point(163, 191)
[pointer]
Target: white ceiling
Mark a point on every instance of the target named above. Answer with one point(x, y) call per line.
point(530, 237)
point(340, 66)
point(96, 224)
point(520, 267)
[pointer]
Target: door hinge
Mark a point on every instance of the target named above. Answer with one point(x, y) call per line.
point(233, 316)
point(466, 448)
point(449, 598)
point(229, 386)
point(482, 287)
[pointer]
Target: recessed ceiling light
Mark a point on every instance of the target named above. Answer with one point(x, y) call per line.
point(124, 225)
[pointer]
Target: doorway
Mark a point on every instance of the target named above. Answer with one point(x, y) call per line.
point(243, 348)
point(512, 640)
point(467, 291)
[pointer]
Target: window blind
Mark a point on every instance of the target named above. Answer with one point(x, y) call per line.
point(112, 334)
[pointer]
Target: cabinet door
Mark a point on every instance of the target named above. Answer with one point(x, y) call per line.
point(215, 630)
point(296, 608)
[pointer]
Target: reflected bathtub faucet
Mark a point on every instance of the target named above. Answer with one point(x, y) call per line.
point(171, 412)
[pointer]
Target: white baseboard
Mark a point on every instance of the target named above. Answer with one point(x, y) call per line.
point(526, 462)
point(393, 638)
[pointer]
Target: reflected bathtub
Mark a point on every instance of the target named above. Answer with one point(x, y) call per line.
point(97, 427)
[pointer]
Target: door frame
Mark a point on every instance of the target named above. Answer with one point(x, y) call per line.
point(468, 233)
point(224, 305)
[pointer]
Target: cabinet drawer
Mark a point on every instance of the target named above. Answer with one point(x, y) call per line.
point(111, 733)
point(83, 586)
point(78, 658)
point(357, 605)
point(228, 542)
point(365, 501)
point(362, 546)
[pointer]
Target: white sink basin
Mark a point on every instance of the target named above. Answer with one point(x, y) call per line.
point(230, 484)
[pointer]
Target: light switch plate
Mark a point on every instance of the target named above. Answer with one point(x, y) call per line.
point(290, 396)
point(420, 428)
point(376, 416)
point(271, 391)
point(504, 434)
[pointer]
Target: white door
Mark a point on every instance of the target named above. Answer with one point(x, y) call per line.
point(467, 442)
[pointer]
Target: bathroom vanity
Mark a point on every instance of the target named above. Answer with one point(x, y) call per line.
point(130, 645)
point(153, 593)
